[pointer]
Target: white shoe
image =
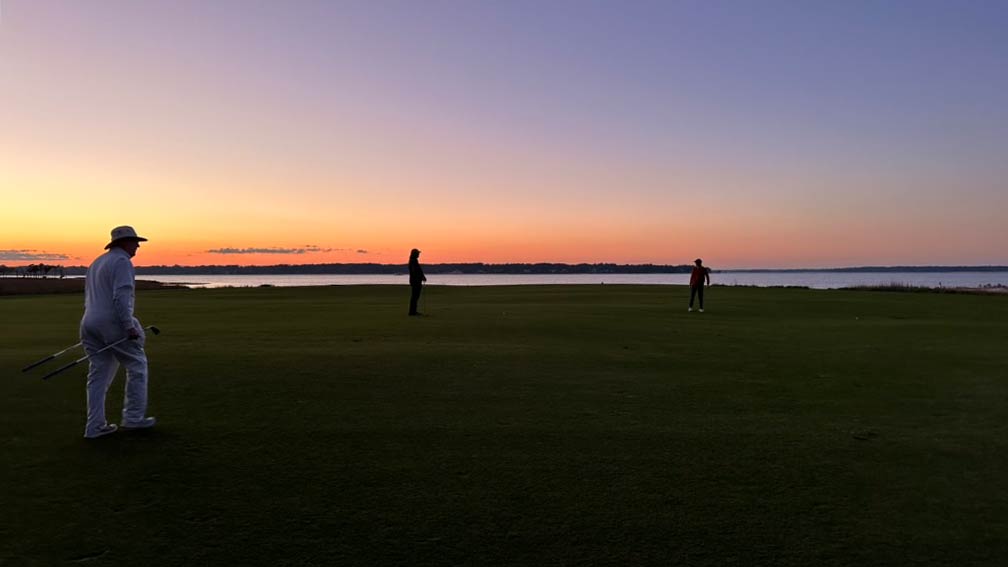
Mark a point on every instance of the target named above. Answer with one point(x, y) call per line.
point(701, 310)
point(144, 423)
point(107, 429)
point(690, 310)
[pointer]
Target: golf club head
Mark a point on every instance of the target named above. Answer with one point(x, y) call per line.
point(155, 330)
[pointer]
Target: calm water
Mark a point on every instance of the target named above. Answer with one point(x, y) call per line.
point(816, 280)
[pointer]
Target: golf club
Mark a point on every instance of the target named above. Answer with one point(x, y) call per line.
point(152, 328)
point(48, 358)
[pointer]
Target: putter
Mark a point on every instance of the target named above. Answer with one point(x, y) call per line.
point(48, 358)
point(152, 329)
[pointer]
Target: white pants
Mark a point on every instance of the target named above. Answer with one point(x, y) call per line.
point(104, 366)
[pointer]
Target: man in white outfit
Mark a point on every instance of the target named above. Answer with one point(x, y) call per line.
point(108, 317)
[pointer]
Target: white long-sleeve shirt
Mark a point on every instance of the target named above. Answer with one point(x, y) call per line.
point(109, 289)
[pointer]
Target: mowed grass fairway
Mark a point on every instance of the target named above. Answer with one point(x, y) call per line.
point(535, 425)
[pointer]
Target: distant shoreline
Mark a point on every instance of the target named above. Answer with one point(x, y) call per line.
point(513, 268)
point(870, 269)
point(947, 282)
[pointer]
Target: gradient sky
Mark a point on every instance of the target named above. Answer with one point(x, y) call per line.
point(752, 134)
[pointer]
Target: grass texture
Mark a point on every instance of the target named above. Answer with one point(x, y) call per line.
point(525, 425)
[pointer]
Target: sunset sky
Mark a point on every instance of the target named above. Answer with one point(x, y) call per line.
point(752, 134)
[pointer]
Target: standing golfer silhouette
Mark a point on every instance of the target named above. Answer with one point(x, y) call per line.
point(416, 280)
point(696, 282)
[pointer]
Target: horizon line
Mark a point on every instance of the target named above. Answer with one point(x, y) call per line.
point(889, 267)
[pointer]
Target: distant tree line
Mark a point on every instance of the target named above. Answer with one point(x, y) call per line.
point(876, 269)
point(484, 268)
point(33, 271)
point(398, 269)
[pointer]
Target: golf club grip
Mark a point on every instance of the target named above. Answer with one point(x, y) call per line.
point(61, 369)
point(34, 364)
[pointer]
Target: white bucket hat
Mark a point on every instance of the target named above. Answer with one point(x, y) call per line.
point(124, 233)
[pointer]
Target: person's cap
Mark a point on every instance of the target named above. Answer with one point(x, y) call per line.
point(698, 261)
point(414, 251)
point(124, 233)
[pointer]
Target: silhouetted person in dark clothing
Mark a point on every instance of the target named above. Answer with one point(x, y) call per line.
point(696, 282)
point(416, 280)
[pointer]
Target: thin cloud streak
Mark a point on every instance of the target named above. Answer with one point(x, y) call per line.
point(23, 255)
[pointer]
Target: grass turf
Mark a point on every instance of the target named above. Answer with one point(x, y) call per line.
point(546, 425)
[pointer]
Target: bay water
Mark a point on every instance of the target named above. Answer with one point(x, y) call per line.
point(810, 279)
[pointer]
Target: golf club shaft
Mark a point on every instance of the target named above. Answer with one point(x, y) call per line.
point(86, 356)
point(48, 358)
